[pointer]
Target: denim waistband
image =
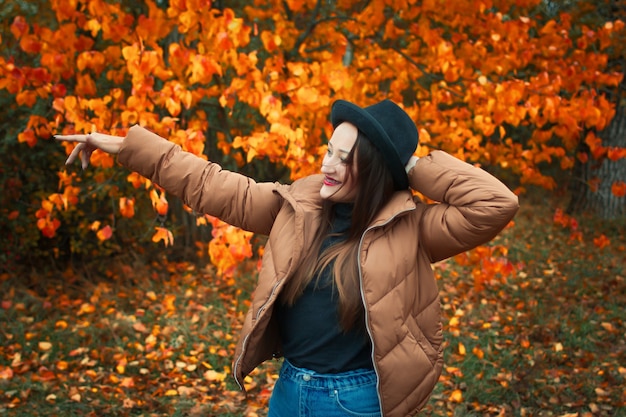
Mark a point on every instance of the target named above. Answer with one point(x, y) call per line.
point(331, 381)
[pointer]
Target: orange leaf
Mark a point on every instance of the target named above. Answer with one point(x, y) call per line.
point(105, 233)
point(168, 302)
point(6, 373)
point(140, 327)
point(456, 396)
point(618, 188)
point(270, 40)
point(86, 308)
point(159, 202)
point(27, 136)
point(19, 27)
point(478, 352)
point(163, 234)
point(135, 179)
point(127, 382)
point(616, 153)
point(127, 207)
point(601, 241)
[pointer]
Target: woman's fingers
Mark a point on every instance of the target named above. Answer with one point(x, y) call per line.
point(107, 143)
point(82, 149)
point(72, 138)
point(89, 143)
point(75, 152)
point(85, 155)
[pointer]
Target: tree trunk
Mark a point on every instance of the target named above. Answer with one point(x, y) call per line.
point(601, 202)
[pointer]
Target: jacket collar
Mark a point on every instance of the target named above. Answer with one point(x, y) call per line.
point(401, 201)
point(305, 194)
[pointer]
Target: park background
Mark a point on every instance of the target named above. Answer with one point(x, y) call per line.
point(116, 299)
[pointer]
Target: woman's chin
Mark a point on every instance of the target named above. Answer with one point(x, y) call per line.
point(327, 192)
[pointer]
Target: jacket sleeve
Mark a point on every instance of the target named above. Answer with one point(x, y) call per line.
point(202, 185)
point(474, 206)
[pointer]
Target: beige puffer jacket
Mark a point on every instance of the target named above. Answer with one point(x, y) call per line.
point(398, 287)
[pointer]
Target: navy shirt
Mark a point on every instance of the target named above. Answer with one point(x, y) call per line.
point(311, 334)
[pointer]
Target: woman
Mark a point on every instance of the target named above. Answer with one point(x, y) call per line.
point(346, 293)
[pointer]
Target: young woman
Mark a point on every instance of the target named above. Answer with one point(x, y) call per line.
point(346, 293)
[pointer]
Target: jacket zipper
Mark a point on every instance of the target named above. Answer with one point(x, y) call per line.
point(369, 331)
point(245, 341)
point(367, 326)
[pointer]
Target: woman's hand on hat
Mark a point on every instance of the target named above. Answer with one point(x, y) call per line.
point(411, 163)
point(89, 143)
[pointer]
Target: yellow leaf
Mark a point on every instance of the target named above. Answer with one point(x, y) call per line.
point(456, 396)
point(171, 393)
point(95, 226)
point(185, 391)
point(462, 349)
point(45, 346)
point(215, 376)
point(86, 308)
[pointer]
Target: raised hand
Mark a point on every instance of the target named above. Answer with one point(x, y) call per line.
point(89, 143)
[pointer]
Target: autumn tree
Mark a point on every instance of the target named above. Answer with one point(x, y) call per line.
point(518, 86)
point(597, 184)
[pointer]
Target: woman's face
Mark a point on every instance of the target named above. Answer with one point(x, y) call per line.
point(338, 185)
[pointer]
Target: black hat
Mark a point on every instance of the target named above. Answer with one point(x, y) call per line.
point(388, 128)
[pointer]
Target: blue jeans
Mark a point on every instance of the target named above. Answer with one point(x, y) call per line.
point(304, 393)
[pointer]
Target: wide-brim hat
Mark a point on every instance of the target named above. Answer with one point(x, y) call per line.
point(388, 128)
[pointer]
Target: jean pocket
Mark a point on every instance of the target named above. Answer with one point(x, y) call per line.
point(359, 401)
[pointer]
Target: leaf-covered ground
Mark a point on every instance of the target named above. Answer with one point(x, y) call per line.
point(546, 338)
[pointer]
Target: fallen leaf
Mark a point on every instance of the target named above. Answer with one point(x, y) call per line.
point(45, 346)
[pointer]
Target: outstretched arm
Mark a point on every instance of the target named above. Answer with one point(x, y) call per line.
point(202, 185)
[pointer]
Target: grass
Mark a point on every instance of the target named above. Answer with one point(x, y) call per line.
point(544, 339)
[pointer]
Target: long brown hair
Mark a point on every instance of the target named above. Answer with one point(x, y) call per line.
point(374, 188)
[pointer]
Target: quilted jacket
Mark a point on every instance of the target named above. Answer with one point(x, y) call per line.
point(398, 287)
